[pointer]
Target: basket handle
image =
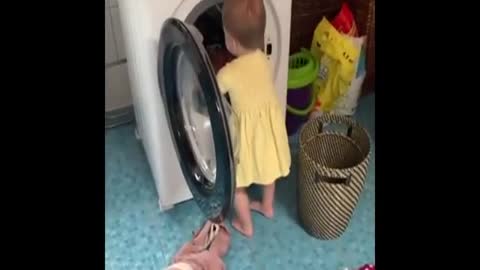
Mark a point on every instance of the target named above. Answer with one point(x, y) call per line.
point(349, 129)
point(343, 122)
point(333, 180)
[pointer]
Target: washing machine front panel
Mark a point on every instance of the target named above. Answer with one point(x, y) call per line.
point(272, 38)
point(197, 118)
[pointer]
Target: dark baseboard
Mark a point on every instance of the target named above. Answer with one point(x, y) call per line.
point(119, 117)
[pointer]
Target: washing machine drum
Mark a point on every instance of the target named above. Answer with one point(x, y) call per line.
point(198, 118)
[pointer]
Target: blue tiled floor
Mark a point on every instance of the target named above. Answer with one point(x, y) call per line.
point(139, 236)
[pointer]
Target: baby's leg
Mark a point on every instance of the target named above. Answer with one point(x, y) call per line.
point(265, 207)
point(243, 220)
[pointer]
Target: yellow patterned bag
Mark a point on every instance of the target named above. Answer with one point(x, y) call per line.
point(338, 58)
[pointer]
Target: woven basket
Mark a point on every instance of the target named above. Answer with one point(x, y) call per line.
point(333, 169)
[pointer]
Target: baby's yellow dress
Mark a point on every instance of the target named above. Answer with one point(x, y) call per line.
point(261, 138)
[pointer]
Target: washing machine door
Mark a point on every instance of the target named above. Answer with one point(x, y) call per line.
point(197, 118)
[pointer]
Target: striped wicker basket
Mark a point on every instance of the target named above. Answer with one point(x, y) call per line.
point(333, 169)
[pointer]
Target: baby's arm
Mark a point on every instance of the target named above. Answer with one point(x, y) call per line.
point(222, 80)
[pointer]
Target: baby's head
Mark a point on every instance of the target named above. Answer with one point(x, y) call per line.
point(244, 25)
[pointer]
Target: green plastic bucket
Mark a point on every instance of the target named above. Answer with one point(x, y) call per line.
point(302, 72)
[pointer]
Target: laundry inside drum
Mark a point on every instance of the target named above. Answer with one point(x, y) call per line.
point(209, 23)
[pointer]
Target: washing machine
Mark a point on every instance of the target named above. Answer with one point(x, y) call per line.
point(182, 121)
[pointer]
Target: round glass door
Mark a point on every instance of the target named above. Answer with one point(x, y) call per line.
point(197, 119)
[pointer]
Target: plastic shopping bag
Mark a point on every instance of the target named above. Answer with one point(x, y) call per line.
point(338, 58)
point(347, 103)
point(344, 22)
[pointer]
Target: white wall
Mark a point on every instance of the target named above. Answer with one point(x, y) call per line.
point(117, 85)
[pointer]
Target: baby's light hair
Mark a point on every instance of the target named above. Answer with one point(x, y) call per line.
point(245, 20)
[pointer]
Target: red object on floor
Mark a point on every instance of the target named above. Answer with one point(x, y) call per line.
point(367, 267)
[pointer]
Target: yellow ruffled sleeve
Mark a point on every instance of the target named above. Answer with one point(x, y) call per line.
point(222, 80)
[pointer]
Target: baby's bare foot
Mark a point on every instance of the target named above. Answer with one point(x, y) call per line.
point(247, 232)
point(258, 207)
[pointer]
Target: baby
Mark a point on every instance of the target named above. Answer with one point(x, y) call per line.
point(262, 146)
